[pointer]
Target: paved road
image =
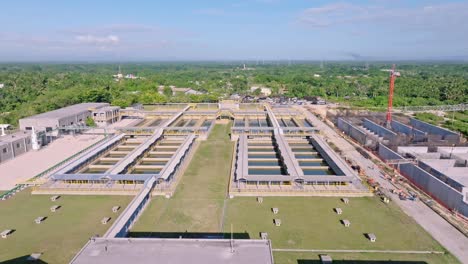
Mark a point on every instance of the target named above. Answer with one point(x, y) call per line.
point(447, 235)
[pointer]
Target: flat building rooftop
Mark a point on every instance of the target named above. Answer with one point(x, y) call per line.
point(68, 111)
point(174, 251)
point(14, 136)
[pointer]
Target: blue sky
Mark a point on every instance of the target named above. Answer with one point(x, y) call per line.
point(70, 30)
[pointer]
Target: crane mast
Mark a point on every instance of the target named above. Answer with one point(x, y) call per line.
point(393, 75)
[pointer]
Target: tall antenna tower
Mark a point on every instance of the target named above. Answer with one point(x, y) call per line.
point(321, 64)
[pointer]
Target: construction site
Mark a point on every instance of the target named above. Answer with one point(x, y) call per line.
point(432, 158)
point(193, 167)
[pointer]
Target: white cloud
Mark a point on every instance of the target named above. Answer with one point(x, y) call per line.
point(98, 40)
point(111, 29)
point(441, 18)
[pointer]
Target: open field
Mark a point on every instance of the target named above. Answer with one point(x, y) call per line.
point(62, 234)
point(197, 204)
point(311, 223)
point(363, 258)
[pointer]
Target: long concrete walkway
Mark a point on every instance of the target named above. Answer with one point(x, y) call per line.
point(292, 165)
point(357, 251)
point(447, 235)
point(125, 221)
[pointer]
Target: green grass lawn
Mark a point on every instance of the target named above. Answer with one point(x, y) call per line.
point(362, 258)
point(311, 223)
point(62, 234)
point(198, 201)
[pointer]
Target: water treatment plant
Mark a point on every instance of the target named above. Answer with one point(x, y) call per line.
point(230, 182)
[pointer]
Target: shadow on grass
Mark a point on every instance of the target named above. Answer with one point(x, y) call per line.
point(186, 234)
point(23, 259)
point(307, 261)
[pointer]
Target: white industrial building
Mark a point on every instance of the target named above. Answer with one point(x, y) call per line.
point(106, 115)
point(14, 144)
point(67, 116)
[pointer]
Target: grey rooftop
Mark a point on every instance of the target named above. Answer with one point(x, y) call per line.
point(149, 250)
point(15, 136)
point(68, 111)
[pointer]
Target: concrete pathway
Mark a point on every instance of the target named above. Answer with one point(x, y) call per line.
point(359, 251)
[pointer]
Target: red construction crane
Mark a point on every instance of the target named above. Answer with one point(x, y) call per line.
point(393, 75)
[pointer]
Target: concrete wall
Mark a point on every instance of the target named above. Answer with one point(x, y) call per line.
point(435, 130)
point(379, 130)
point(6, 152)
point(75, 119)
point(21, 145)
point(416, 134)
point(327, 158)
point(38, 123)
point(437, 189)
point(43, 123)
point(14, 147)
point(352, 131)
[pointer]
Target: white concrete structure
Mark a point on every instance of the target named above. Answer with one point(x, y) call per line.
point(326, 259)
point(14, 144)
point(346, 222)
point(277, 222)
point(6, 233)
point(106, 115)
point(54, 208)
point(371, 237)
point(263, 90)
point(39, 219)
point(3, 127)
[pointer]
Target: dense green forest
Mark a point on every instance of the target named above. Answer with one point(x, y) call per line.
point(34, 88)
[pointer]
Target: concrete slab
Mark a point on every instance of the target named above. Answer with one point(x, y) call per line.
point(32, 163)
point(174, 251)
